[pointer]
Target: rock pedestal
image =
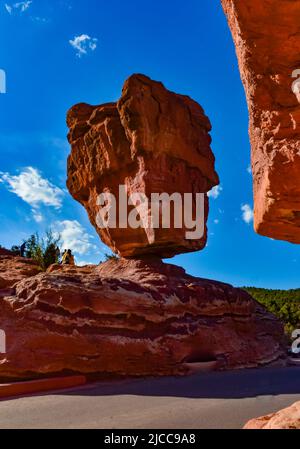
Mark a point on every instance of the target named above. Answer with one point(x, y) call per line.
point(132, 317)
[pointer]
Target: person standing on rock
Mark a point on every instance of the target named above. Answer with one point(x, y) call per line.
point(57, 254)
point(23, 249)
point(68, 258)
point(63, 257)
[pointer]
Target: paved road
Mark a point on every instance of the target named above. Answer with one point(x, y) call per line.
point(206, 400)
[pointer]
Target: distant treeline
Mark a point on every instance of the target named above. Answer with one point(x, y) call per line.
point(285, 304)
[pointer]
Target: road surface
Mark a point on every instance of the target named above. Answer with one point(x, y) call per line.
point(203, 401)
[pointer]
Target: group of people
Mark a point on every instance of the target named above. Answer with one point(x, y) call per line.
point(67, 258)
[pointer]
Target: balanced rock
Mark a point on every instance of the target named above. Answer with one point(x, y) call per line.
point(132, 317)
point(266, 36)
point(150, 141)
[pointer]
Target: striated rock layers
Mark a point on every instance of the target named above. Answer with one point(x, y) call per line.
point(151, 141)
point(267, 39)
point(288, 418)
point(132, 317)
point(13, 270)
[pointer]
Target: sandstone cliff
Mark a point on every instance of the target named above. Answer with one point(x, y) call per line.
point(266, 34)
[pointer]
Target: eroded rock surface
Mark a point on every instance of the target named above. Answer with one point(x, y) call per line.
point(152, 141)
point(288, 418)
point(266, 34)
point(14, 269)
point(132, 317)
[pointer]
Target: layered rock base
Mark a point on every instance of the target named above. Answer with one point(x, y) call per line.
point(132, 317)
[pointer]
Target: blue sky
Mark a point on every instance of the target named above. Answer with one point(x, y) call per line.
point(184, 44)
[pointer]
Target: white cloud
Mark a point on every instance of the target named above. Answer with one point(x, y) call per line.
point(83, 263)
point(249, 169)
point(215, 192)
point(74, 237)
point(83, 43)
point(33, 189)
point(23, 5)
point(18, 7)
point(247, 213)
point(8, 8)
point(39, 19)
point(216, 221)
point(37, 215)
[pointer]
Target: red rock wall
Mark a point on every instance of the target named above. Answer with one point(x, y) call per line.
point(266, 34)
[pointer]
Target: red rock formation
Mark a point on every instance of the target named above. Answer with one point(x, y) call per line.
point(288, 418)
point(266, 36)
point(14, 269)
point(132, 317)
point(5, 252)
point(152, 141)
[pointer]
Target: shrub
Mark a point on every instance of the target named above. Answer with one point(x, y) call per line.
point(111, 257)
point(44, 251)
point(15, 250)
point(285, 304)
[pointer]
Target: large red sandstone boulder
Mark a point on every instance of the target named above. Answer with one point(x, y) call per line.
point(266, 36)
point(132, 317)
point(288, 418)
point(152, 141)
